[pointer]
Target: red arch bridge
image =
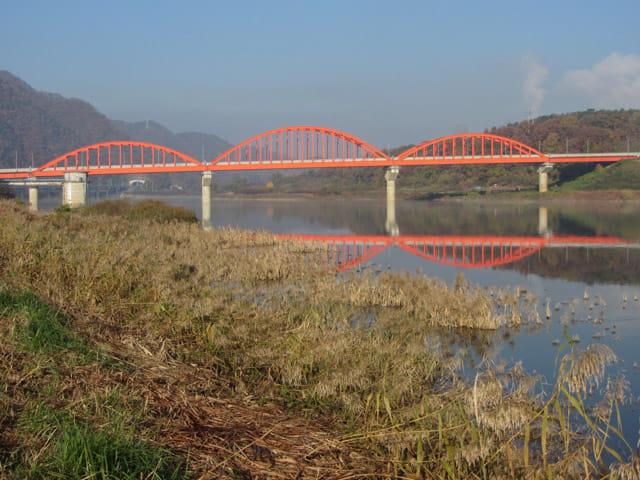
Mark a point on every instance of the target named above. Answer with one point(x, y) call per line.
point(344, 252)
point(285, 148)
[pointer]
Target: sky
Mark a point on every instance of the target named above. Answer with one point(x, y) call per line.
point(389, 72)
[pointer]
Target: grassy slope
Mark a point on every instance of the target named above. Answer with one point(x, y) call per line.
point(620, 176)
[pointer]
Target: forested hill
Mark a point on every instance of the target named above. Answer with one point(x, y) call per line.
point(45, 125)
point(590, 131)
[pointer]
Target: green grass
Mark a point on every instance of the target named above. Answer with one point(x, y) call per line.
point(45, 329)
point(619, 176)
point(78, 450)
point(68, 434)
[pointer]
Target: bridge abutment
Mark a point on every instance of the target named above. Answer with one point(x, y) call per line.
point(391, 175)
point(74, 189)
point(207, 180)
point(543, 177)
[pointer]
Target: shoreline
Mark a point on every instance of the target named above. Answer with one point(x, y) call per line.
point(577, 196)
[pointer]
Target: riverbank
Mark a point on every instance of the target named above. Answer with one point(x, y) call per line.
point(172, 331)
point(528, 196)
point(532, 196)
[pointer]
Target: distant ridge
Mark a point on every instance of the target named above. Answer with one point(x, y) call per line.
point(42, 125)
point(194, 144)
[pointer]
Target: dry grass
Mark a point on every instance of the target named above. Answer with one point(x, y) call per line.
point(204, 318)
point(221, 437)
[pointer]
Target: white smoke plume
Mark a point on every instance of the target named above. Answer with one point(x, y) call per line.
point(612, 83)
point(534, 76)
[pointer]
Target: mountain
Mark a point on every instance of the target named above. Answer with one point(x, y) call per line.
point(195, 144)
point(42, 125)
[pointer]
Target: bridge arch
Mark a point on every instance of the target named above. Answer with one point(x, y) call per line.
point(348, 251)
point(300, 147)
point(470, 148)
point(471, 252)
point(120, 157)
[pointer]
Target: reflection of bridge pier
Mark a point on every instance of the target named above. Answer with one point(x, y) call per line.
point(390, 175)
point(206, 198)
point(543, 222)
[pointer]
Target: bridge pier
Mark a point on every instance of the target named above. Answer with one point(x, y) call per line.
point(543, 177)
point(206, 198)
point(74, 189)
point(33, 198)
point(390, 175)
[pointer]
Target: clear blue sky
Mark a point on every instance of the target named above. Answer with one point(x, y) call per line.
point(389, 72)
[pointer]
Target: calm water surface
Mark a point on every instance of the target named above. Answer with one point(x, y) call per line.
point(558, 274)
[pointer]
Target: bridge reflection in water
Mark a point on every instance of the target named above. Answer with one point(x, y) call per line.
point(348, 251)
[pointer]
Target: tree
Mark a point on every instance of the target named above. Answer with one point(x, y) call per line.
point(551, 144)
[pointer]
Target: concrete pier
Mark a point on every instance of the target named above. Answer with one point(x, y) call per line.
point(543, 177)
point(74, 189)
point(33, 198)
point(390, 175)
point(207, 177)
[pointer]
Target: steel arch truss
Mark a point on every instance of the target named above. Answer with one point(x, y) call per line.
point(470, 148)
point(300, 147)
point(344, 255)
point(120, 157)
